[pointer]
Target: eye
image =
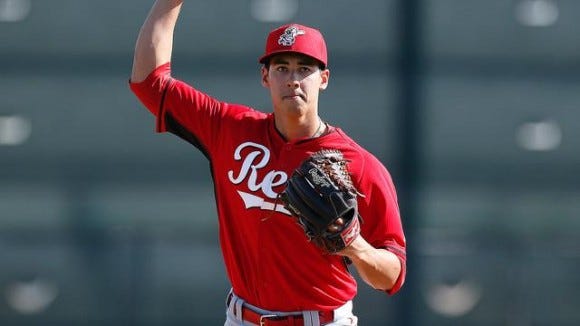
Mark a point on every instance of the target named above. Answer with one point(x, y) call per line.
point(305, 69)
point(281, 69)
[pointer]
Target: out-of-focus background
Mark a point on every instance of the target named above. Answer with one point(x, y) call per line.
point(473, 105)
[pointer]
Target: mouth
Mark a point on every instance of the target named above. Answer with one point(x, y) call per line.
point(294, 97)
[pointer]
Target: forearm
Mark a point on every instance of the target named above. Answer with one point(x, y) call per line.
point(379, 268)
point(155, 41)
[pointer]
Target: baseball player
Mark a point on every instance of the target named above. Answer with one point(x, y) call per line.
point(278, 276)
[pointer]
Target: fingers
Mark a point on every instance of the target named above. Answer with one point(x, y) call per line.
point(336, 226)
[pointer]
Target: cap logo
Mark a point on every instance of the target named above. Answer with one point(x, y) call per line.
point(289, 36)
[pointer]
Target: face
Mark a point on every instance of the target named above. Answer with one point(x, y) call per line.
point(294, 82)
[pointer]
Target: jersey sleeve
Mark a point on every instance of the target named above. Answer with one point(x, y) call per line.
point(183, 110)
point(379, 209)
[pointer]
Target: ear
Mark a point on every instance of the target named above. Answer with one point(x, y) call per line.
point(264, 73)
point(325, 76)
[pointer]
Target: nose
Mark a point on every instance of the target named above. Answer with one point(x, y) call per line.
point(293, 81)
point(293, 84)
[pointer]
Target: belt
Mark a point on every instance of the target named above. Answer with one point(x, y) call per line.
point(249, 315)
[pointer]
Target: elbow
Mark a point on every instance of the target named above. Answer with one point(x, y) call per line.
point(389, 279)
point(398, 279)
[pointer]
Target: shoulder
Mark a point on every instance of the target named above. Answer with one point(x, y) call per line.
point(239, 113)
point(362, 163)
point(352, 150)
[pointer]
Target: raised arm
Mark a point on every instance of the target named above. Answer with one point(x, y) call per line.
point(155, 41)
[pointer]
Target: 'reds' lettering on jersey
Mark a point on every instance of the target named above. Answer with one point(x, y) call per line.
point(267, 257)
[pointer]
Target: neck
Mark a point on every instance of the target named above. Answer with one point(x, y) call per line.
point(293, 130)
point(320, 130)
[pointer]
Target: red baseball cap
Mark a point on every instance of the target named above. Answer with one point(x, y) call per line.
point(296, 38)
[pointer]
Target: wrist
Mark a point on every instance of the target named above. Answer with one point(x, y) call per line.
point(357, 249)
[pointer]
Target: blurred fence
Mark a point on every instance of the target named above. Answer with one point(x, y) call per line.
point(103, 222)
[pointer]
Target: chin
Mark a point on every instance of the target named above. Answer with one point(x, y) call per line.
point(296, 111)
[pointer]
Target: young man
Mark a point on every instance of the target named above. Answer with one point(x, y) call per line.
point(278, 277)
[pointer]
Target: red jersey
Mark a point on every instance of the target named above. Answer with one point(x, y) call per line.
point(267, 257)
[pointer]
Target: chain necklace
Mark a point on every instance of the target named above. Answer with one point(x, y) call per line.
point(319, 130)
